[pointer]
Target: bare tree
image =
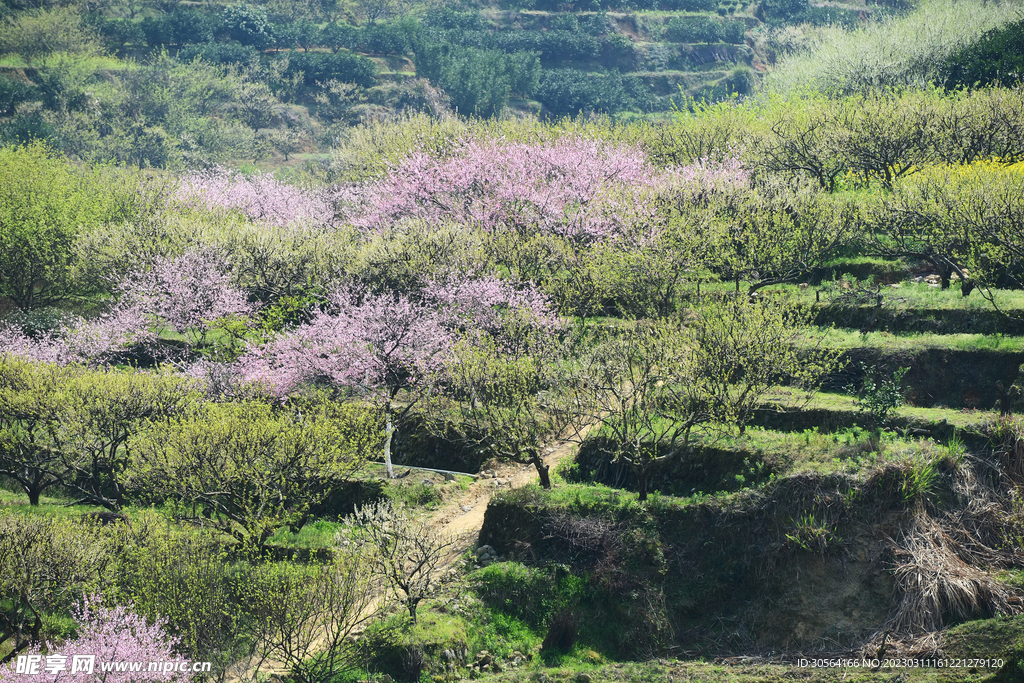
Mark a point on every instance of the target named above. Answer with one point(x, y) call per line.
point(494, 402)
point(303, 615)
point(405, 552)
point(648, 387)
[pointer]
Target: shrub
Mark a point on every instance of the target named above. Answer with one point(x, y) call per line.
point(880, 396)
point(319, 67)
point(567, 92)
point(700, 29)
point(997, 57)
point(248, 24)
point(337, 36)
point(478, 82)
point(44, 205)
point(182, 576)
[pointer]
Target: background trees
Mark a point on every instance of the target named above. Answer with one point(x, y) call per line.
point(44, 205)
point(650, 387)
point(72, 426)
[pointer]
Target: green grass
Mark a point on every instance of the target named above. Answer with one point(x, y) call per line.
point(787, 398)
point(48, 505)
point(665, 671)
point(318, 534)
point(845, 338)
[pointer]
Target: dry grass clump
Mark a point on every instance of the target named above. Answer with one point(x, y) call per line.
point(937, 585)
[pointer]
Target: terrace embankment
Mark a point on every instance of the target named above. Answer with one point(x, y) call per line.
point(807, 562)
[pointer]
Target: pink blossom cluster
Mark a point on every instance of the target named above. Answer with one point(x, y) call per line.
point(363, 342)
point(568, 187)
point(186, 292)
point(707, 175)
point(261, 198)
point(484, 303)
point(372, 343)
point(93, 342)
point(110, 635)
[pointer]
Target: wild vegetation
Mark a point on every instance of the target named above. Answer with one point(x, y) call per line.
point(762, 357)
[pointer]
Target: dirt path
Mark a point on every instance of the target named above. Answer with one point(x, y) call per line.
point(463, 517)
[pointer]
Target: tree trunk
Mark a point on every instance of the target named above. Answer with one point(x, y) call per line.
point(641, 476)
point(542, 471)
point(389, 430)
point(412, 604)
point(33, 496)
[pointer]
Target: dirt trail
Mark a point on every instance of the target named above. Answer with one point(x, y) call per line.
point(464, 517)
point(461, 517)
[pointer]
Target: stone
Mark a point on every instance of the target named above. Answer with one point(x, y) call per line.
point(467, 508)
point(582, 678)
point(448, 476)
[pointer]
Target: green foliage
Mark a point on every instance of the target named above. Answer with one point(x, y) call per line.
point(568, 92)
point(478, 82)
point(304, 616)
point(812, 535)
point(529, 594)
point(997, 57)
point(45, 31)
point(319, 67)
point(184, 576)
point(504, 417)
point(696, 29)
point(12, 93)
point(782, 9)
point(251, 468)
point(44, 205)
point(880, 396)
point(248, 25)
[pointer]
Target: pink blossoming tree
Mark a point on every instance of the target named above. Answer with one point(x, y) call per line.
point(188, 294)
point(583, 190)
point(261, 198)
point(113, 636)
point(380, 346)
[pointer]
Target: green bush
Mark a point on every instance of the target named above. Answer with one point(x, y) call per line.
point(702, 29)
point(530, 594)
point(184, 576)
point(44, 206)
point(248, 24)
point(997, 57)
point(566, 92)
point(479, 82)
point(320, 67)
point(14, 92)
